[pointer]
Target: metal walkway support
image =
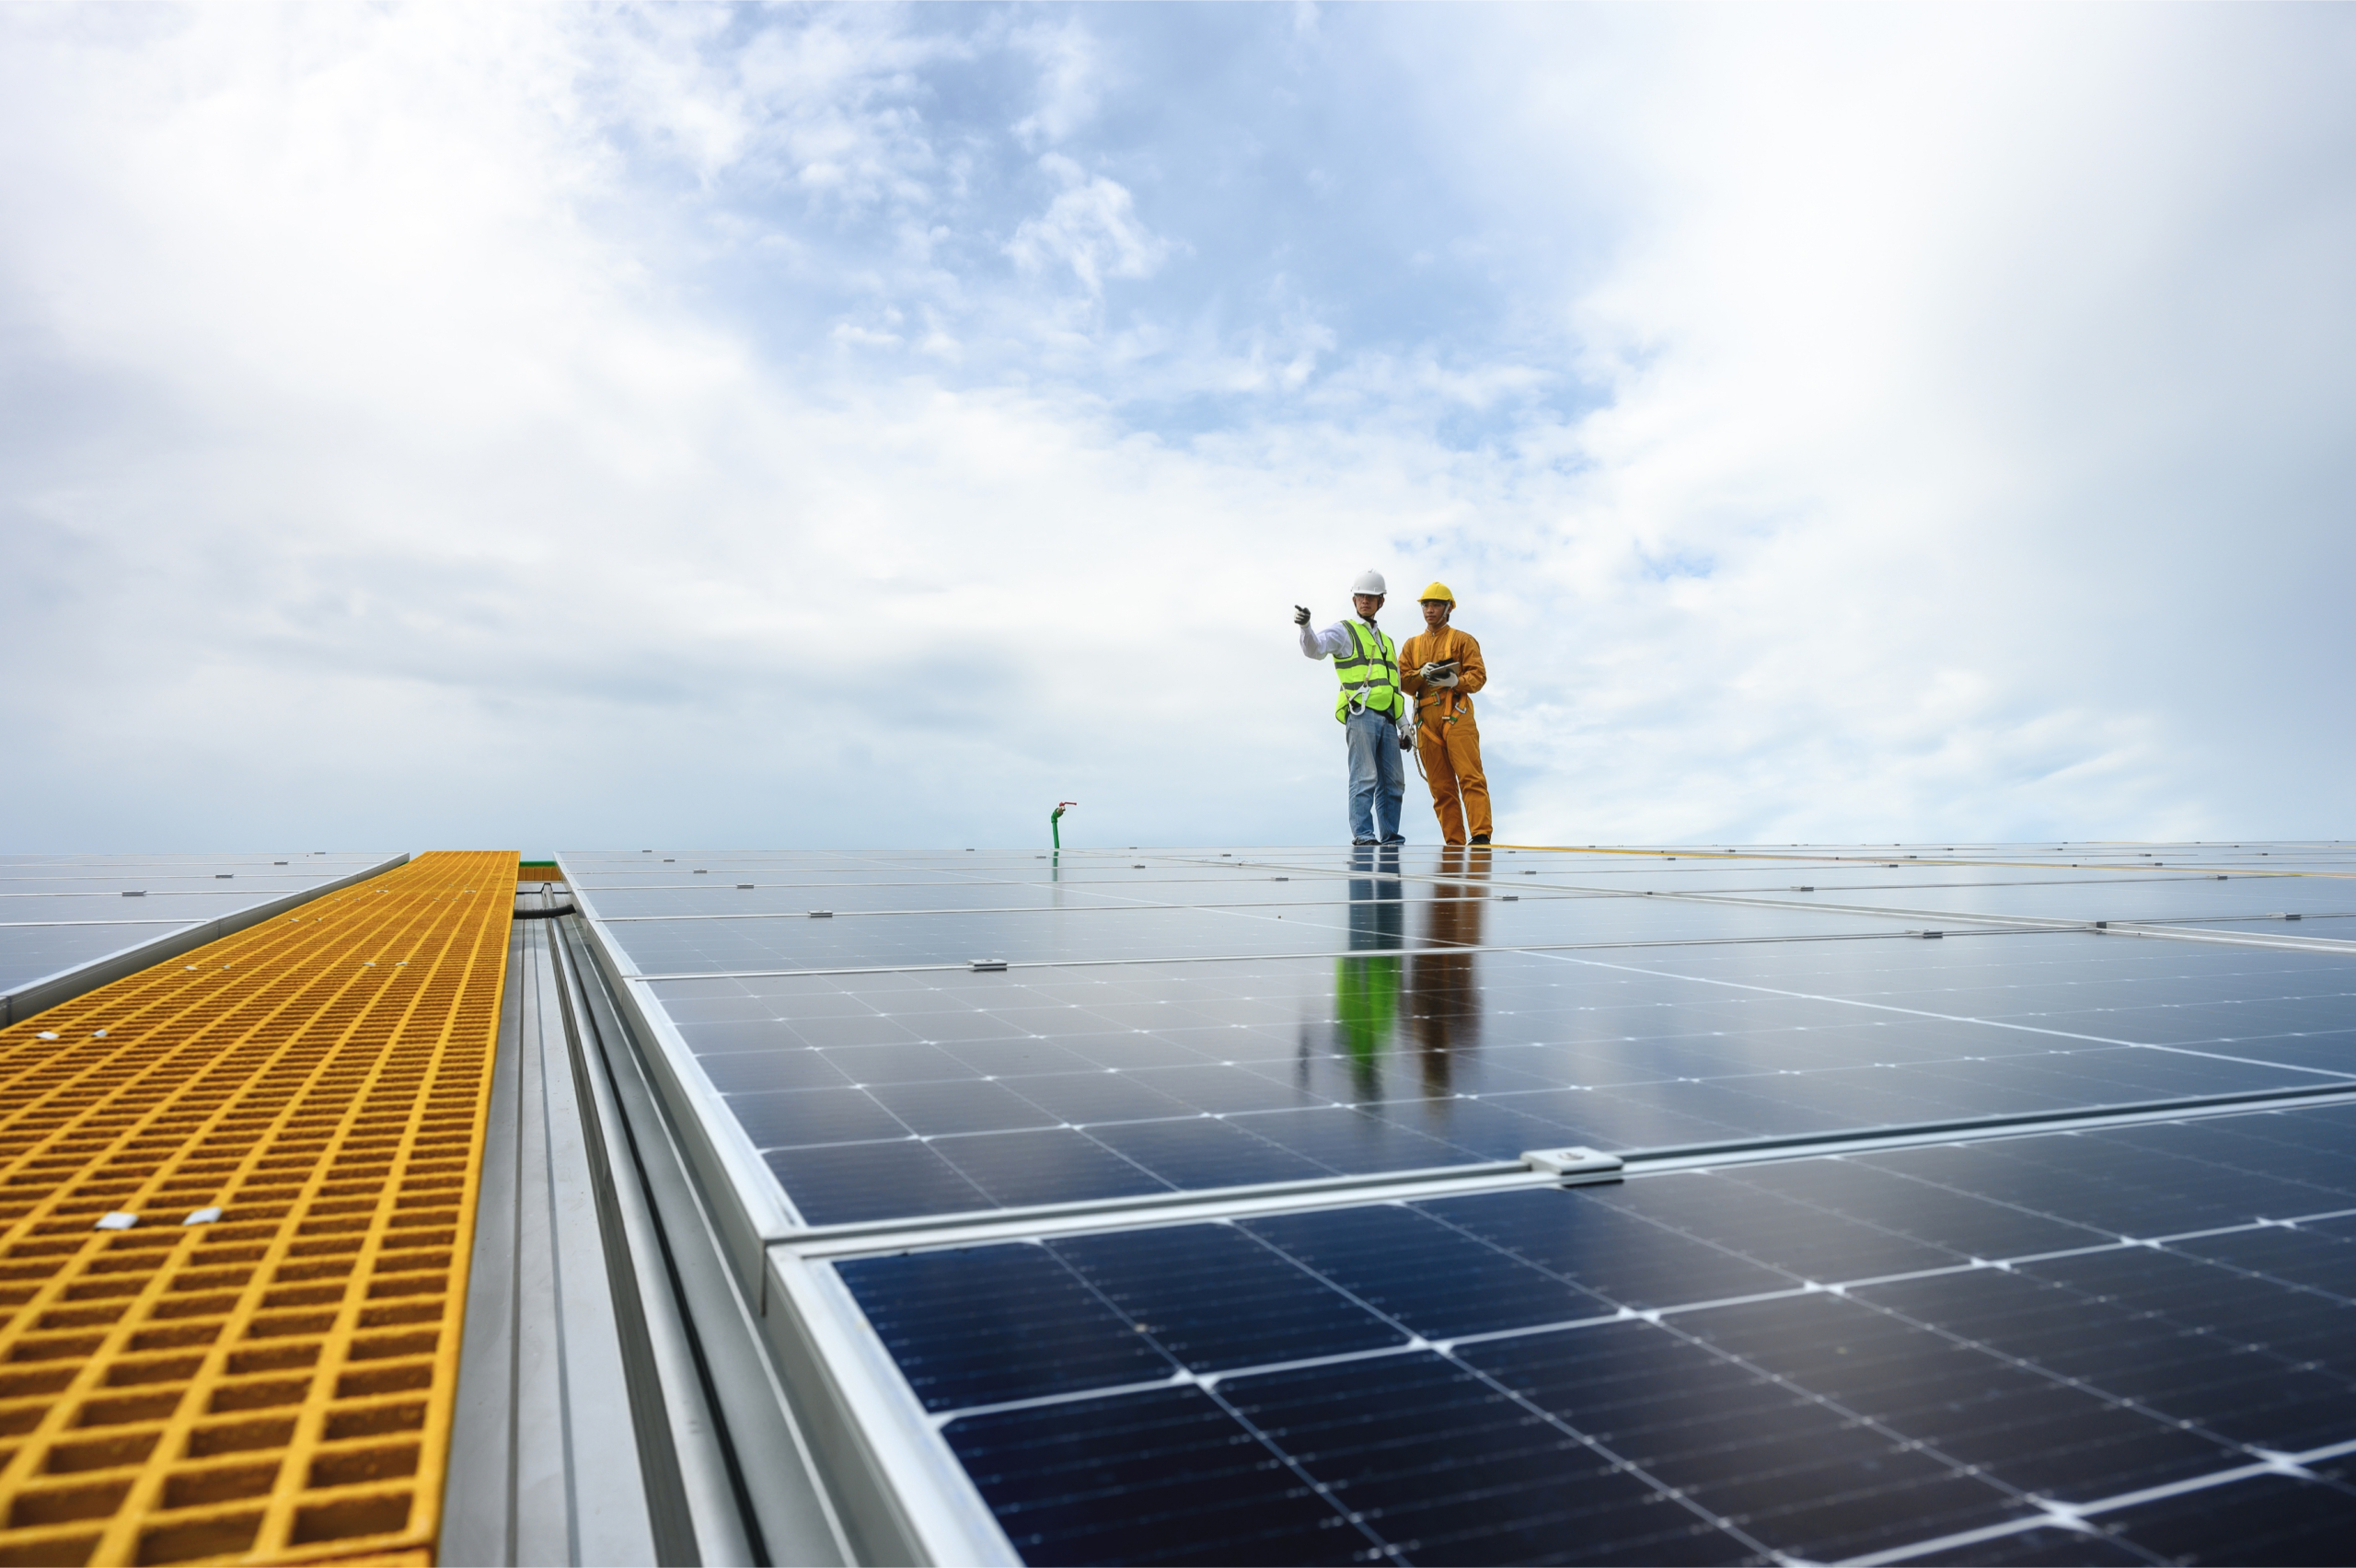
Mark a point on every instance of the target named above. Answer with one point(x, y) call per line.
point(584, 1431)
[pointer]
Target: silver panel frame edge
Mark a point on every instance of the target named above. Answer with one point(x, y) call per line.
point(978, 1227)
point(1216, 1204)
point(39, 996)
point(772, 1466)
point(890, 1489)
point(903, 1489)
point(745, 1203)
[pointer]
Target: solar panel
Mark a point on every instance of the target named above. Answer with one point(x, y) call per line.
point(1954, 1227)
point(68, 922)
point(1188, 1073)
point(1822, 1358)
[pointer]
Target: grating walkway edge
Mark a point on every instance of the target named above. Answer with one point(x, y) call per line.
point(236, 1205)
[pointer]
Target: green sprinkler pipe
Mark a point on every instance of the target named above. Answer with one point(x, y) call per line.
point(1054, 821)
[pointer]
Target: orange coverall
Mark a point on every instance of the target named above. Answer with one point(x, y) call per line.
point(1448, 741)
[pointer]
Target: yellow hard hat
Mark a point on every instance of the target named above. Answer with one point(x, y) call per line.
point(1438, 591)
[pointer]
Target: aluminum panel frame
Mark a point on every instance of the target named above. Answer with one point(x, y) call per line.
point(765, 1432)
point(906, 1497)
point(746, 1204)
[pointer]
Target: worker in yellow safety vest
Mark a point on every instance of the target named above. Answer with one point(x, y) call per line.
point(1371, 708)
point(1440, 668)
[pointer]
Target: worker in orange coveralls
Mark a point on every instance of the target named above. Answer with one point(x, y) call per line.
point(1440, 668)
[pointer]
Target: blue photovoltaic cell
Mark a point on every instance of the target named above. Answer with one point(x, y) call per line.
point(1169, 1476)
point(1200, 1152)
point(1757, 1415)
point(1799, 1237)
point(35, 952)
point(1053, 1166)
point(1426, 1275)
point(2100, 988)
point(1025, 1326)
point(2034, 1433)
point(1789, 1469)
point(874, 1182)
point(2037, 1548)
point(2270, 1519)
point(1212, 1297)
point(1607, 1251)
point(2242, 1359)
point(2089, 1175)
point(2119, 898)
point(1445, 1466)
point(2310, 1256)
point(1198, 1296)
point(802, 1116)
point(1962, 1224)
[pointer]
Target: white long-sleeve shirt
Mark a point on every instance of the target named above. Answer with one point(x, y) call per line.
point(1332, 642)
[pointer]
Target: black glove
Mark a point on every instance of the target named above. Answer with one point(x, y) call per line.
point(1300, 614)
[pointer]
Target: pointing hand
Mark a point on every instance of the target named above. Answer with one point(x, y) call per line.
point(1300, 614)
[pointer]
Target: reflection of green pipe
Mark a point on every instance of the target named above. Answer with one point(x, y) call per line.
point(1054, 821)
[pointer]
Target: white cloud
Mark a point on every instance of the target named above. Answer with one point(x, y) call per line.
point(1091, 227)
point(534, 425)
point(1915, 330)
point(1071, 80)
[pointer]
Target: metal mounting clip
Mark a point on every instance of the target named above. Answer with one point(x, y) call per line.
point(1574, 1165)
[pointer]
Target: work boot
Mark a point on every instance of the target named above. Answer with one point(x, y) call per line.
point(1480, 839)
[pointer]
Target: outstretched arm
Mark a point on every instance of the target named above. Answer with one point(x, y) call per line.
point(1325, 644)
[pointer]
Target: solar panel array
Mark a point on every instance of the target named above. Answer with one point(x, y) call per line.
point(1992, 1203)
point(61, 914)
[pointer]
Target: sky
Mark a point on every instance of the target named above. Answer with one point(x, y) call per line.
point(540, 426)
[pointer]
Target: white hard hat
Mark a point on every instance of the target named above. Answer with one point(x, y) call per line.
point(1370, 581)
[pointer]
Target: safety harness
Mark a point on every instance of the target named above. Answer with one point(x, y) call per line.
point(1369, 674)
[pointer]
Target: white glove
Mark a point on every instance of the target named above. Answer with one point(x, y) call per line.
point(1300, 614)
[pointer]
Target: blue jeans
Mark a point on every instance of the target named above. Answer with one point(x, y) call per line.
point(1378, 777)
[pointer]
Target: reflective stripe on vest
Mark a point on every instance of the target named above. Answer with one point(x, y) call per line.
point(1371, 666)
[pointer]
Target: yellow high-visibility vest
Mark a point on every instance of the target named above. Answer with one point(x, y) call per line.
point(1371, 666)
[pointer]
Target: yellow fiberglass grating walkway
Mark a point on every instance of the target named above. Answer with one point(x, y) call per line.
point(274, 1384)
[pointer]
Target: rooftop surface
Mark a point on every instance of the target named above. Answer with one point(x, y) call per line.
point(1714, 1203)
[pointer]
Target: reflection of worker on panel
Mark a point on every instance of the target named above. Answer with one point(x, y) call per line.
point(1440, 667)
point(1443, 1000)
point(1366, 989)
